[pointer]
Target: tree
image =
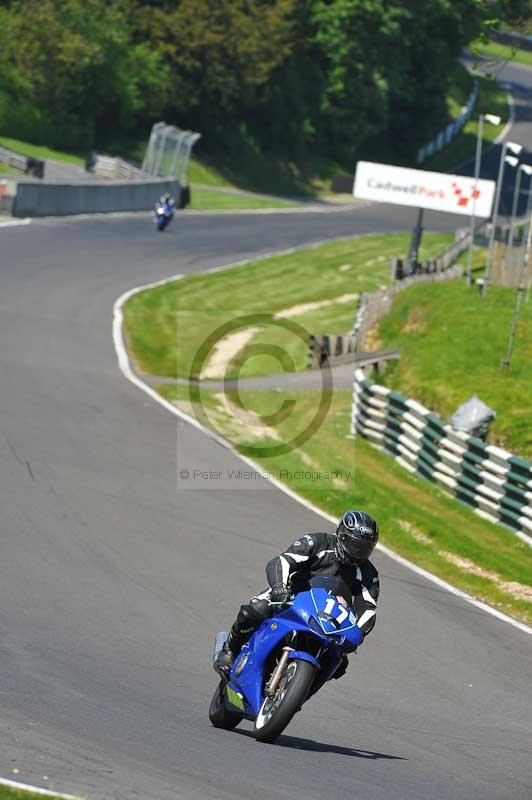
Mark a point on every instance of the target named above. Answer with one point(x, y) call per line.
point(222, 53)
point(72, 73)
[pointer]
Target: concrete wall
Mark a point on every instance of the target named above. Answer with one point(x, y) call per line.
point(50, 199)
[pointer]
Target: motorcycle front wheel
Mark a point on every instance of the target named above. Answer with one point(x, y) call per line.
point(277, 711)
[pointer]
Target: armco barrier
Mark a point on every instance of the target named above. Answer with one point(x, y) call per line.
point(495, 483)
point(111, 167)
point(11, 159)
point(54, 199)
point(447, 135)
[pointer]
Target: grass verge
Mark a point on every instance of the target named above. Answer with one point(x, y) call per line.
point(5, 170)
point(492, 99)
point(6, 793)
point(38, 151)
point(334, 471)
point(452, 342)
point(504, 52)
point(166, 325)
point(212, 200)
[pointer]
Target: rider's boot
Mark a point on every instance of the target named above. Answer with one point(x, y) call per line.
point(226, 657)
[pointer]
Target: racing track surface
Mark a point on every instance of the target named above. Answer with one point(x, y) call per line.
point(112, 582)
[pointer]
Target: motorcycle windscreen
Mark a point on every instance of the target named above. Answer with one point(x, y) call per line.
point(334, 618)
point(334, 584)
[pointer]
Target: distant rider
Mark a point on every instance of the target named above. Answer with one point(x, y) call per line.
point(344, 553)
point(166, 200)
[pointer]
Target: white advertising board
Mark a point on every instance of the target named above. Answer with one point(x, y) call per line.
point(417, 187)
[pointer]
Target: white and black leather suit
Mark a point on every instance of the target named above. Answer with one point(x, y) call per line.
point(312, 554)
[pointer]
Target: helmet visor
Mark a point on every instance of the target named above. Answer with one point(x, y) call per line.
point(357, 548)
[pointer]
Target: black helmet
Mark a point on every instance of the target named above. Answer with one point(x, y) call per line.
point(357, 534)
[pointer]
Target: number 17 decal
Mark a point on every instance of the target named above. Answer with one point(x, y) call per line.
point(329, 607)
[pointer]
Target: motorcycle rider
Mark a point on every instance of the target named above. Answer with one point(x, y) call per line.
point(344, 553)
point(165, 199)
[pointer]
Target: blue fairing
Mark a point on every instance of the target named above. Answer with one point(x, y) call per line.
point(300, 655)
point(316, 613)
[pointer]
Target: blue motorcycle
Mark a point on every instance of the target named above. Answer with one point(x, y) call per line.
point(164, 211)
point(287, 660)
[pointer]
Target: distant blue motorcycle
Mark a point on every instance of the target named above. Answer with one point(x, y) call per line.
point(164, 211)
point(287, 660)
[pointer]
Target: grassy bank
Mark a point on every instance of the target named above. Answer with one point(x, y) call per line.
point(416, 518)
point(221, 200)
point(492, 99)
point(452, 343)
point(199, 305)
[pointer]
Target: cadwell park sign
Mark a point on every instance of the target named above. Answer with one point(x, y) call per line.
point(416, 187)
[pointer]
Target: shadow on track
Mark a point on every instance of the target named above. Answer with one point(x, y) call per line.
point(297, 743)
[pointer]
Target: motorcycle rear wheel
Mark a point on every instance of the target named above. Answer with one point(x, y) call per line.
point(277, 711)
point(219, 715)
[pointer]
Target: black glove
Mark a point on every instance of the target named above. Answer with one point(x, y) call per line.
point(280, 594)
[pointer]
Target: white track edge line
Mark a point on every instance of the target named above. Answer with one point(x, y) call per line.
point(125, 366)
point(15, 223)
point(26, 787)
point(196, 212)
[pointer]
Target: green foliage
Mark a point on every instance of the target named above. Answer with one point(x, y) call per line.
point(284, 77)
point(222, 54)
point(69, 73)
